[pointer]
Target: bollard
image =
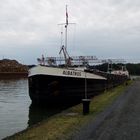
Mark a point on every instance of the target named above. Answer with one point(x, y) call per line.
point(86, 103)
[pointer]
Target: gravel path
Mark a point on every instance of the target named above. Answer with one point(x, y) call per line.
point(121, 121)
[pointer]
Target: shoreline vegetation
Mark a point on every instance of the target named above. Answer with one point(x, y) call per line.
point(68, 122)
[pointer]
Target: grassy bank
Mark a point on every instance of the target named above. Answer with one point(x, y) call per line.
point(62, 125)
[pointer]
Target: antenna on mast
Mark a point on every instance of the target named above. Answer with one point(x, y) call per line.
point(66, 15)
point(66, 25)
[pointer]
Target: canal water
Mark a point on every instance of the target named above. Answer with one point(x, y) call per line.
point(16, 111)
point(14, 106)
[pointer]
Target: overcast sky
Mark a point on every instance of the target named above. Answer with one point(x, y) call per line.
point(104, 28)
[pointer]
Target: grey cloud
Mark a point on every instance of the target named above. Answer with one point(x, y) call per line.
point(103, 26)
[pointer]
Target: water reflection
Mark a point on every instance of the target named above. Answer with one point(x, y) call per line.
point(38, 113)
point(14, 106)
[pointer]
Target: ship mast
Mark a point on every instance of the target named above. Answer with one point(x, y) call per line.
point(64, 47)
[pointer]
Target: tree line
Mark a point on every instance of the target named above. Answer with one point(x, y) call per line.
point(134, 69)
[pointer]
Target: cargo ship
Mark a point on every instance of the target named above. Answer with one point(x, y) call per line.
point(47, 83)
point(70, 79)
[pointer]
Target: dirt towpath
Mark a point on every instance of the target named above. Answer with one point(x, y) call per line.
point(120, 121)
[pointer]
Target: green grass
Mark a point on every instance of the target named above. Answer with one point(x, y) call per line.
point(62, 125)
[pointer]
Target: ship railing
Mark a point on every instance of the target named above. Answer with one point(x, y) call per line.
point(77, 60)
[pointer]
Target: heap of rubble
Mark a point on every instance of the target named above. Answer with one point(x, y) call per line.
point(7, 65)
